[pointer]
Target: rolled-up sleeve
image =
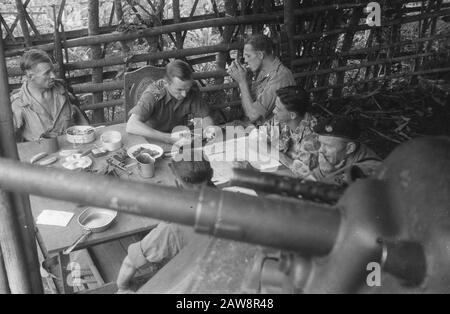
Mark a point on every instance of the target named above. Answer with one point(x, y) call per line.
point(146, 104)
point(17, 115)
point(162, 243)
point(265, 100)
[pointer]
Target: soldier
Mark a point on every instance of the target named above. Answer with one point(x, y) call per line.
point(167, 239)
point(168, 103)
point(258, 98)
point(297, 138)
point(42, 106)
point(342, 158)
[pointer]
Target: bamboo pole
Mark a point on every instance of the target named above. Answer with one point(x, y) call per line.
point(4, 285)
point(23, 23)
point(108, 38)
point(14, 24)
point(96, 53)
point(58, 46)
point(154, 56)
point(20, 202)
point(289, 23)
point(5, 25)
point(12, 248)
point(177, 20)
point(118, 10)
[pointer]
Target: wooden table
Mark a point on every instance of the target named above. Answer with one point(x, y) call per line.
point(55, 239)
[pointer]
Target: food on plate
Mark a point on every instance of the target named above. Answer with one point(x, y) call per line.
point(75, 161)
point(141, 150)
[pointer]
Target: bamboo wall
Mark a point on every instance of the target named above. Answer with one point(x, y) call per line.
point(329, 47)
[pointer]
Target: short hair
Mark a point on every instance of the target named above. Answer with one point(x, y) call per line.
point(32, 57)
point(260, 43)
point(193, 172)
point(295, 99)
point(180, 69)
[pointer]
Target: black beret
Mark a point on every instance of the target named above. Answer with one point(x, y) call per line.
point(338, 127)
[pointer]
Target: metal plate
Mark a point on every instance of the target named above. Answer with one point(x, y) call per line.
point(96, 219)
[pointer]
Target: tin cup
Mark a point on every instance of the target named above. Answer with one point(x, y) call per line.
point(146, 165)
point(48, 144)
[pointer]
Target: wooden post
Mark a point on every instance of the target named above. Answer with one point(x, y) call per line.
point(230, 10)
point(23, 23)
point(96, 53)
point(177, 19)
point(119, 16)
point(12, 248)
point(4, 286)
point(21, 203)
point(58, 46)
point(289, 24)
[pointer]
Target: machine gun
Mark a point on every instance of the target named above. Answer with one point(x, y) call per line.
point(294, 187)
point(398, 220)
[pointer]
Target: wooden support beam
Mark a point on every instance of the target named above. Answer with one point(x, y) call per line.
point(5, 25)
point(107, 38)
point(96, 53)
point(12, 248)
point(4, 286)
point(14, 24)
point(21, 203)
point(23, 23)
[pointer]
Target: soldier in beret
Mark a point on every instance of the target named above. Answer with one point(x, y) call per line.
point(342, 158)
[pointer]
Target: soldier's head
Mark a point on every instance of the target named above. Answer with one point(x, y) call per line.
point(179, 79)
point(192, 173)
point(38, 68)
point(257, 50)
point(338, 139)
point(292, 103)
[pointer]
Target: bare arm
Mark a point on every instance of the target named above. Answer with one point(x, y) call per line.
point(126, 273)
point(136, 126)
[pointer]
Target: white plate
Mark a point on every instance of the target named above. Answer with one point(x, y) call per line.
point(74, 161)
point(154, 147)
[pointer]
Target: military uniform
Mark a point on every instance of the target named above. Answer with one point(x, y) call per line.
point(301, 144)
point(163, 112)
point(159, 245)
point(363, 158)
point(33, 119)
point(361, 163)
point(266, 83)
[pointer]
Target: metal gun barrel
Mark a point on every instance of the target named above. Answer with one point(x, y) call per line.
point(271, 183)
point(291, 225)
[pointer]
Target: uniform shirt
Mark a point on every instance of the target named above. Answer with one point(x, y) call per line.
point(160, 245)
point(266, 83)
point(363, 157)
point(301, 144)
point(32, 118)
point(163, 112)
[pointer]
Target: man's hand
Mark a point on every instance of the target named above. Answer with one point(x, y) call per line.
point(181, 138)
point(238, 72)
